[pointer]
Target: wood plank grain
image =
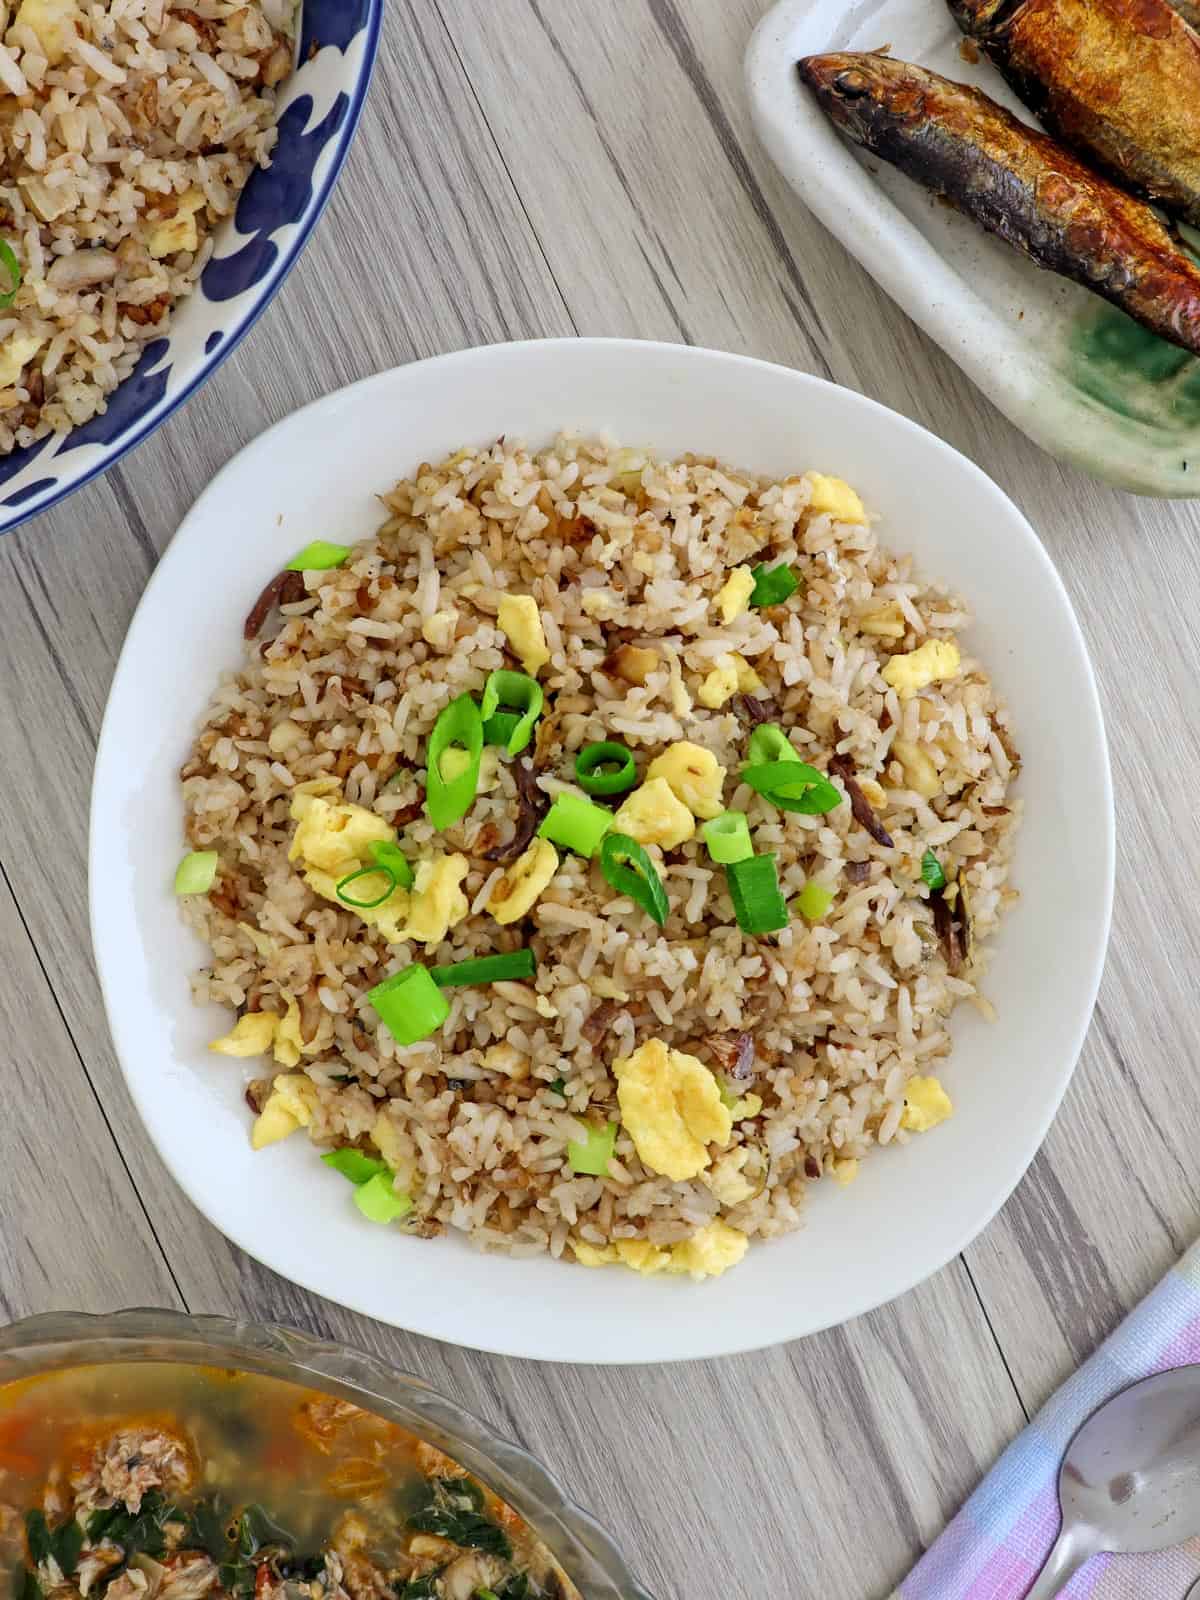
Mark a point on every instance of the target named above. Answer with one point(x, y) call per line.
point(75, 1235)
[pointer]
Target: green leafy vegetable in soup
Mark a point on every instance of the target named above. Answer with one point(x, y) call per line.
point(161, 1482)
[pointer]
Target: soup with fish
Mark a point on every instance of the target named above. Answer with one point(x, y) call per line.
point(155, 1481)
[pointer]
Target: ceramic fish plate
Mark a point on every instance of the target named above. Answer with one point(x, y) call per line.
point(1073, 373)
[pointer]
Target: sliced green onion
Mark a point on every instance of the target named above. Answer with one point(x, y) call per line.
point(593, 1154)
point(769, 743)
point(410, 1005)
point(814, 900)
point(576, 824)
point(500, 728)
point(607, 768)
point(390, 856)
point(559, 1086)
point(931, 871)
point(353, 1164)
point(486, 1594)
point(319, 556)
point(630, 871)
point(517, 690)
point(458, 727)
point(793, 786)
point(486, 969)
point(754, 889)
point(357, 902)
point(8, 260)
point(772, 585)
point(728, 838)
point(197, 872)
point(378, 1201)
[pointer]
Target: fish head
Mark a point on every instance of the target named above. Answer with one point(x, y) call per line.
point(861, 92)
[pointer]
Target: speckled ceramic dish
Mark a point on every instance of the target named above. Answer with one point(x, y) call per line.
point(319, 108)
point(1073, 373)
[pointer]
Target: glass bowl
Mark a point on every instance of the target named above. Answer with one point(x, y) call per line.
point(71, 1339)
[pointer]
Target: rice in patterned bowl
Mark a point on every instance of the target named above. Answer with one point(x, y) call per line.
point(718, 960)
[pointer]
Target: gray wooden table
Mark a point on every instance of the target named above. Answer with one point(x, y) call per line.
point(538, 167)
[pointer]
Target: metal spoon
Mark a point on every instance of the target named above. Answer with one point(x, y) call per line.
point(1130, 1480)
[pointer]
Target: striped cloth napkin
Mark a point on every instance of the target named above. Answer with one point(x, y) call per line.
point(998, 1541)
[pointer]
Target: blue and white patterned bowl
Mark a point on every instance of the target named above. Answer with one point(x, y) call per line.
point(319, 108)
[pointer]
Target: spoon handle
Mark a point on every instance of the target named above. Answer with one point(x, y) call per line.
point(1063, 1562)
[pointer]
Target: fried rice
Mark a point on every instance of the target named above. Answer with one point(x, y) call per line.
point(129, 128)
point(820, 1035)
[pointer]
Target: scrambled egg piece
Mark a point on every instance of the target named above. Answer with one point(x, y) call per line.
point(920, 772)
point(835, 497)
point(15, 354)
point(734, 596)
point(387, 1140)
point(333, 839)
point(727, 1180)
point(710, 1251)
point(520, 886)
point(654, 815)
point(672, 1109)
point(932, 662)
point(522, 623)
point(436, 903)
point(926, 1104)
point(439, 629)
point(747, 679)
point(54, 23)
point(695, 775)
point(169, 235)
point(253, 1035)
point(289, 1106)
point(720, 684)
point(289, 1041)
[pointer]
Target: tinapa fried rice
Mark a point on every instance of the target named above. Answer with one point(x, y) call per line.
point(807, 1046)
point(129, 128)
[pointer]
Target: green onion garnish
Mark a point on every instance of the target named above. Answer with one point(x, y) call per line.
point(769, 743)
point(519, 691)
point(378, 1201)
point(772, 586)
point(196, 873)
point(500, 728)
point(486, 969)
point(366, 901)
point(593, 1154)
point(486, 1594)
point(814, 900)
point(607, 768)
point(559, 1086)
point(353, 1164)
point(458, 727)
point(576, 824)
point(754, 889)
point(390, 856)
point(319, 556)
point(410, 1005)
point(793, 786)
point(931, 871)
point(728, 838)
point(630, 871)
point(8, 260)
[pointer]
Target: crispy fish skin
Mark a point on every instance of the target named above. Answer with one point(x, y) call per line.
point(1018, 183)
point(1117, 80)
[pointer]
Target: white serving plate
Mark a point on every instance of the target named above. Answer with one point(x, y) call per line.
point(1010, 326)
point(912, 1209)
